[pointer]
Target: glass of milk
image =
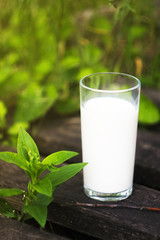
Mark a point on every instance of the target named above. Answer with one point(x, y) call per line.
point(109, 117)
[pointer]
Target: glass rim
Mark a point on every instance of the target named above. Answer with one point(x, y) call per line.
point(111, 91)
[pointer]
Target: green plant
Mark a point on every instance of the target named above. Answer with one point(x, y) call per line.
point(39, 193)
point(46, 48)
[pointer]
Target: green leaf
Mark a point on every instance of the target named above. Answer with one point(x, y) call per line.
point(67, 106)
point(91, 55)
point(13, 82)
point(14, 129)
point(43, 67)
point(38, 212)
point(14, 158)
point(102, 25)
point(7, 192)
point(34, 102)
point(52, 169)
point(41, 168)
point(6, 209)
point(64, 173)
point(44, 186)
point(3, 112)
point(24, 141)
point(70, 62)
point(136, 31)
point(85, 71)
point(148, 112)
point(58, 157)
point(42, 199)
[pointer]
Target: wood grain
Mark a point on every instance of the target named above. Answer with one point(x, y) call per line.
point(13, 230)
point(103, 223)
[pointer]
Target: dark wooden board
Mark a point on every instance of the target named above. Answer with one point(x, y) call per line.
point(117, 223)
point(104, 223)
point(147, 168)
point(58, 134)
point(13, 230)
point(65, 134)
point(107, 223)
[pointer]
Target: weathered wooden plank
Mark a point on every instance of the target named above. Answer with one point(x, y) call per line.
point(107, 223)
point(13, 230)
point(65, 134)
point(147, 170)
point(103, 223)
point(58, 134)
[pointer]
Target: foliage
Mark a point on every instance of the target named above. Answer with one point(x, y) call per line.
point(46, 47)
point(149, 113)
point(40, 189)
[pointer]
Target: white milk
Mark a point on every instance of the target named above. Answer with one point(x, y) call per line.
point(109, 129)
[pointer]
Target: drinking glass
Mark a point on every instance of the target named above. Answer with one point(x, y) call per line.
point(109, 116)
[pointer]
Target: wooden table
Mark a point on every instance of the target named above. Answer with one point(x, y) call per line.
point(126, 221)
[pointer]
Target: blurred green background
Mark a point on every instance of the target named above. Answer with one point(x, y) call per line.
point(47, 46)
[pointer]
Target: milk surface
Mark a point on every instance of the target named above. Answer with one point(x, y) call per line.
point(109, 129)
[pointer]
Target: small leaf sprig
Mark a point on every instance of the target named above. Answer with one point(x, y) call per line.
point(40, 190)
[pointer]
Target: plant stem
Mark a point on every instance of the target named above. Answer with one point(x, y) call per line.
point(21, 216)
